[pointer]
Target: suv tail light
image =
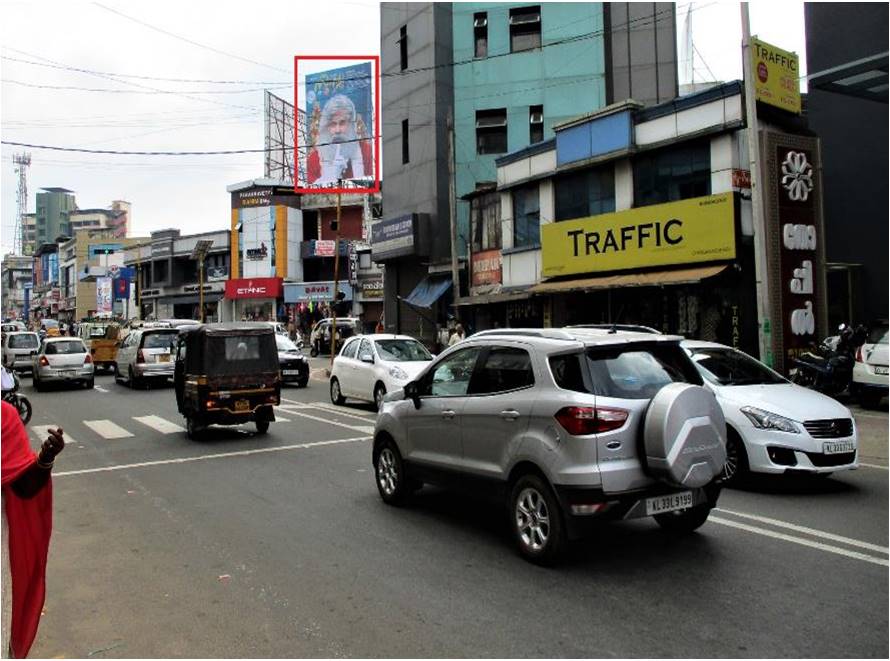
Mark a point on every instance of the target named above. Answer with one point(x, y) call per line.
point(44, 361)
point(859, 355)
point(87, 359)
point(140, 357)
point(584, 420)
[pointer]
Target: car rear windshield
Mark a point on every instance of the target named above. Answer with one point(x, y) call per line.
point(402, 350)
point(23, 342)
point(68, 346)
point(729, 367)
point(626, 372)
point(159, 340)
point(242, 354)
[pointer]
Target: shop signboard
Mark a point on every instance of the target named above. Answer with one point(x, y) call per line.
point(776, 75)
point(690, 231)
point(353, 264)
point(303, 292)
point(372, 290)
point(393, 237)
point(486, 267)
point(741, 178)
point(324, 248)
point(253, 288)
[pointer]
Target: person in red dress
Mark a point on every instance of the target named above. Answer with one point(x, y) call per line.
point(342, 149)
point(27, 525)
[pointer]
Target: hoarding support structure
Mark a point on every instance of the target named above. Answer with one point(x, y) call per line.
point(764, 333)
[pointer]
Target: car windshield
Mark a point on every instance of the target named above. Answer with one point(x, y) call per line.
point(68, 346)
point(97, 331)
point(728, 367)
point(23, 342)
point(402, 350)
point(285, 344)
point(158, 340)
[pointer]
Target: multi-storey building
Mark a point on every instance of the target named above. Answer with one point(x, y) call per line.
point(16, 273)
point(51, 216)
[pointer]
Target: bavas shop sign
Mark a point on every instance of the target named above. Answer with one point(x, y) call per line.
point(689, 231)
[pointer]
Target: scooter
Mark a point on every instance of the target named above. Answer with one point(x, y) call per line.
point(21, 403)
point(829, 369)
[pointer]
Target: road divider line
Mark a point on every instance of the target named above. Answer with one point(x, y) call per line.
point(872, 466)
point(340, 410)
point(158, 423)
point(203, 457)
point(100, 389)
point(363, 429)
point(278, 418)
point(107, 429)
point(808, 531)
point(326, 409)
point(800, 540)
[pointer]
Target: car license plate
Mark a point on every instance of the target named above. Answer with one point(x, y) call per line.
point(838, 447)
point(290, 372)
point(164, 358)
point(881, 370)
point(68, 373)
point(242, 405)
point(669, 503)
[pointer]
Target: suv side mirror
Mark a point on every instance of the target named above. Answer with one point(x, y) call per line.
point(412, 392)
point(367, 358)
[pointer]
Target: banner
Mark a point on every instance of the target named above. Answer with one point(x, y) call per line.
point(698, 230)
point(121, 288)
point(340, 119)
point(776, 76)
point(103, 296)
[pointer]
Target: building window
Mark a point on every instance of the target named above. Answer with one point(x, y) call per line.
point(480, 34)
point(406, 153)
point(585, 193)
point(364, 260)
point(526, 217)
point(677, 173)
point(491, 131)
point(525, 28)
point(535, 124)
point(403, 47)
point(485, 219)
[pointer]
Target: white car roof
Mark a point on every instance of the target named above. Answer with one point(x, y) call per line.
point(701, 344)
point(387, 336)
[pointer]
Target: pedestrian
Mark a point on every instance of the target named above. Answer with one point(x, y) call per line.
point(457, 335)
point(27, 524)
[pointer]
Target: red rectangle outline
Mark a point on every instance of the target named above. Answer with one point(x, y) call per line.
point(377, 164)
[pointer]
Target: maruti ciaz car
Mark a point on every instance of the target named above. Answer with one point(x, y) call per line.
point(62, 360)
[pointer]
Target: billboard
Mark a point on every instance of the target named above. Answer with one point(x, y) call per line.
point(776, 76)
point(342, 127)
point(700, 229)
point(103, 296)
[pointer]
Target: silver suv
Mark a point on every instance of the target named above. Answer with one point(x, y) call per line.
point(567, 426)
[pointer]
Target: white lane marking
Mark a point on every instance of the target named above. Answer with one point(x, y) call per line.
point(100, 389)
point(363, 429)
point(158, 423)
point(330, 408)
point(278, 418)
point(803, 542)
point(40, 432)
point(809, 531)
point(202, 457)
point(873, 466)
point(107, 429)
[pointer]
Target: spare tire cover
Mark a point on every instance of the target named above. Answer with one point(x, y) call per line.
point(685, 435)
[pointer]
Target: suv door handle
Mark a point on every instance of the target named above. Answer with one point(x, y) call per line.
point(448, 413)
point(509, 415)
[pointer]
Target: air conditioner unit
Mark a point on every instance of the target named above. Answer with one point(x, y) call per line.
point(536, 118)
point(525, 19)
point(480, 22)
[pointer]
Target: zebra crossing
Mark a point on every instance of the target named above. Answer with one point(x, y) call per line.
point(110, 430)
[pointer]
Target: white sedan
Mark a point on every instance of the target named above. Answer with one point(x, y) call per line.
point(773, 425)
point(870, 373)
point(369, 366)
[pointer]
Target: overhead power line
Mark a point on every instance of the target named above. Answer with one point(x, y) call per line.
point(115, 91)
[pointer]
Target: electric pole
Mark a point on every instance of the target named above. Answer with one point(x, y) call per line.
point(335, 300)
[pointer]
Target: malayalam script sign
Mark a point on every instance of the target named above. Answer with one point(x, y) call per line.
point(776, 75)
point(393, 237)
point(701, 229)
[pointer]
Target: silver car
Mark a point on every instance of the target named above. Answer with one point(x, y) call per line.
point(62, 360)
point(18, 350)
point(568, 426)
point(146, 354)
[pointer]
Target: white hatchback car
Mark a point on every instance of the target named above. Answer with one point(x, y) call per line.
point(369, 366)
point(871, 376)
point(773, 425)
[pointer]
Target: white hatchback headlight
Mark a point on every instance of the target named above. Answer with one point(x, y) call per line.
point(397, 372)
point(766, 420)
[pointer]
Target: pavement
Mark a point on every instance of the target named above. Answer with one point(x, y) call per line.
point(240, 545)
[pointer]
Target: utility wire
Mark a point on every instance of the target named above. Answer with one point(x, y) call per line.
point(114, 91)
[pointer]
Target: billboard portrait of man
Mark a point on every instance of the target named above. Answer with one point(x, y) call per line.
point(340, 112)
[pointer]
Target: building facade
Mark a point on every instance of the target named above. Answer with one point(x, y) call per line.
point(51, 215)
point(503, 75)
point(16, 273)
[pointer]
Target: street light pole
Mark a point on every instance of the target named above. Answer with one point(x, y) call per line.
point(201, 286)
point(336, 278)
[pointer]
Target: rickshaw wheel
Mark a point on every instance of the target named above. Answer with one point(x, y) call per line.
point(262, 426)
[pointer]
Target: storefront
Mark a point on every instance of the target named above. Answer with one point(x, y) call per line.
point(253, 299)
point(307, 302)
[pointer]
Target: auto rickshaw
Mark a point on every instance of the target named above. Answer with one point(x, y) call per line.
point(226, 374)
point(103, 341)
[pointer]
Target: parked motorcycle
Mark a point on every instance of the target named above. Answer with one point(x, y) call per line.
point(829, 368)
point(11, 395)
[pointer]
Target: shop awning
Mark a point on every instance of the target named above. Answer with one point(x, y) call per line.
point(428, 291)
point(209, 297)
point(648, 279)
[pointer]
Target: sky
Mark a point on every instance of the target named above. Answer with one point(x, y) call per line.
point(129, 46)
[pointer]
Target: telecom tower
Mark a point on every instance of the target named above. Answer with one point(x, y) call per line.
point(22, 162)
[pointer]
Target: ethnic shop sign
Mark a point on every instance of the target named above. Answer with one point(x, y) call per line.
point(701, 229)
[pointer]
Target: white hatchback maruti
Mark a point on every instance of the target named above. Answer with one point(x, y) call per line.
point(369, 366)
point(773, 425)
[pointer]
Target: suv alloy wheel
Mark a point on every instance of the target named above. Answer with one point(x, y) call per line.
point(537, 521)
point(390, 474)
